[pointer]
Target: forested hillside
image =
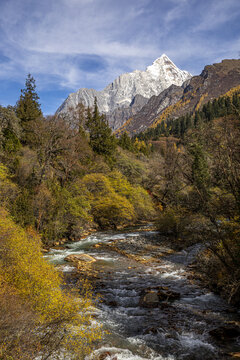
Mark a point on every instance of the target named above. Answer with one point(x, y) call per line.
point(219, 107)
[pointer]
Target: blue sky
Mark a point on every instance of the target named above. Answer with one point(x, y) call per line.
point(69, 44)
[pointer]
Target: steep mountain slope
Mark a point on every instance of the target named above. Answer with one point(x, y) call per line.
point(214, 81)
point(118, 116)
point(118, 98)
point(149, 112)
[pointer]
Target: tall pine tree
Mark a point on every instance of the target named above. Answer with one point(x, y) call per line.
point(28, 107)
point(125, 142)
point(101, 139)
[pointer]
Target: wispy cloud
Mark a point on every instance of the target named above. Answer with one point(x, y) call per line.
point(87, 43)
point(217, 13)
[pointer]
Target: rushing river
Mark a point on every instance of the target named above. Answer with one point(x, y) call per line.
point(177, 329)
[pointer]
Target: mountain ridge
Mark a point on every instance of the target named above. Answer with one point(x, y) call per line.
point(121, 92)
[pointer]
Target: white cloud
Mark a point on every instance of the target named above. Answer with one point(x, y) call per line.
point(44, 37)
point(217, 13)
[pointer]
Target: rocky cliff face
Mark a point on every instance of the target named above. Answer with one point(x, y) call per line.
point(150, 111)
point(129, 92)
point(118, 116)
point(214, 81)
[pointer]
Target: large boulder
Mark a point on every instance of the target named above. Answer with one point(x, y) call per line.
point(106, 355)
point(149, 299)
point(225, 332)
point(152, 298)
point(235, 354)
point(80, 258)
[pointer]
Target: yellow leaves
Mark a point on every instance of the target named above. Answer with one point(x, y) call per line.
point(200, 101)
point(7, 188)
point(120, 184)
point(109, 204)
point(115, 201)
point(166, 113)
point(139, 144)
point(39, 284)
point(159, 207)
point(114, 209)
point(97, 184)
point(232, 91)
point(123, 127)
point(142, 203)
point(3, 172)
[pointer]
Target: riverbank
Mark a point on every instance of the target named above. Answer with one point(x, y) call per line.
point(59, 244)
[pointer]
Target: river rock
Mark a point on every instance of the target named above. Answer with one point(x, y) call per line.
point(165, 305)
point(225, 332)
point(168, 295)
point(149, 299)
point(152, 298)
point(151, 330)
point(76, 258)
point(104, 355)
point(235, 355)
point(59, 247)
point(111, 303)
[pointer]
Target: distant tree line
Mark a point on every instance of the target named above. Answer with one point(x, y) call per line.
point(223, 106)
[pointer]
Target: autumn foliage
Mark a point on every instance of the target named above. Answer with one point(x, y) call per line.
point(49, 320)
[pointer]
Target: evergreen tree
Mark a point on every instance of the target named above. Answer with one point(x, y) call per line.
point(200, 170)
point(176, 127)
point(10, 130)
point(197, 119)
point(101, 139)
point(183, 125)
point(236, 100)
point(189, 121)
point(228, 103)
point(125, 142)
point(215, 108)
point(28, 107)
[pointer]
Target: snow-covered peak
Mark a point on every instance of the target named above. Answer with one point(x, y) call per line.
point(163, 67)
point(120, 93)
point(163, 58)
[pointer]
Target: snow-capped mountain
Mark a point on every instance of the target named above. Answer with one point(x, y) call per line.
point(121, 92)
point(214, 81)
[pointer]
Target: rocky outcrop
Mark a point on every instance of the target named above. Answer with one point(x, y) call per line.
point(116, 99)
point(120, 115)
